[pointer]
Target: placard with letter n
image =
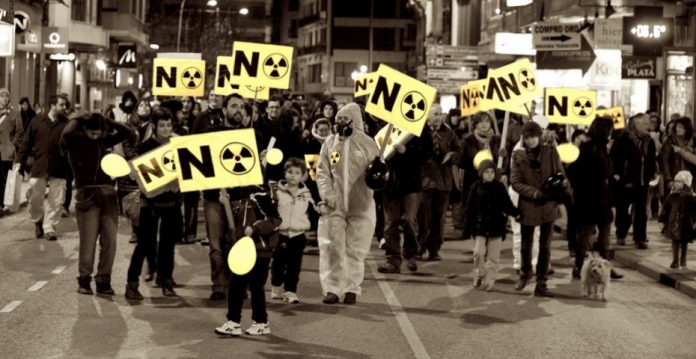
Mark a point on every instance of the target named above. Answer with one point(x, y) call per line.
point(470, 96)
point(364, 84)
point(400, 100)
point(570, 106)
point(225, 84)
point(616, 113)
point(511, 87)
point(155, 171)
point(262, 64)
point(217, 160)
point(178, 77)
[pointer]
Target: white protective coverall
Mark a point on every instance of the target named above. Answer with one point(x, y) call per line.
point(345, 234)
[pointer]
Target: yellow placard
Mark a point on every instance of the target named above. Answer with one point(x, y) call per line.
point(617, 113)
point(311, 161)
point(364, 84)
point(470, 95)
point(155, 171)
point(178, 77)
point(262, 64)
point(217, 160)
point(400, 100)
point(398, 137)
point(570, 106)
point(225, 83)
point(510, 87)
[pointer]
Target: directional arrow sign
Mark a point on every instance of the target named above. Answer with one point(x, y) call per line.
point(555, 36)
point(564, 60)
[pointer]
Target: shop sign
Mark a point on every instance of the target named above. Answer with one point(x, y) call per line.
point(608, 33)
point(567, 59)
point(62, 57)
point(127, 56)
point(55, 40)
point(556, 36)
point(21, 21)
point(639, 67)
point(649, 33)
point(7, 40)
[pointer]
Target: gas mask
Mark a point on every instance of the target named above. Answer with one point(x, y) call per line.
point(344, 129)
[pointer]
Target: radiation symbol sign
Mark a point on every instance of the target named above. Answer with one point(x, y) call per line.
point(398, 137)
point(168, 161)
point(510, 87)
point(617, 114)
point(226, 84)
point(470, 96)
point(570, 106)
point(312, 161)
point(178, 77)
point(335, 158)
point(263, 65)
point(275, 66)
point(400, 100)
point(211, 160)
point(527, 80)
point(237, 158)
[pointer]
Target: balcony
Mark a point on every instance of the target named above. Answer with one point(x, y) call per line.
point(318, 48)
point(310, 19)
point(124, 27)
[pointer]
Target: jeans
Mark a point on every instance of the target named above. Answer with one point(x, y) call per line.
point(431, 223)
point(287, 262)
point(255, 279)
point(487, 258)
point(392, 217)
point(542, 265)
point(5, 167)
point(220, 243)
point(637, 199)
point(96, 210)
point(68, 192)
point(168, 223)
point(56, 197)
point(191, 213)
point(585, 242)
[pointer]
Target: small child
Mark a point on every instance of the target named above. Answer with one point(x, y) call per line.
point(678, 215)
point(294, 199)
point(487, 209)
point(260, 222)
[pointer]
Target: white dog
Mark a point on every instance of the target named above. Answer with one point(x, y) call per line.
point(594, 278)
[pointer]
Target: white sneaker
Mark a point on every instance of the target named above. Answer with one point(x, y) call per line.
point(291, 297)
point(277, 292)
point(229, 328)
point(259, 329)
point(382, 243)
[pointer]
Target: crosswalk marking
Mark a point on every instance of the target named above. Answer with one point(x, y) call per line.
point(11, 306)
point(58, 269)
point(38, 285)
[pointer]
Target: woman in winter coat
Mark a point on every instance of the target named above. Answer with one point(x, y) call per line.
point(679, 216)
point(682, 137)
point(531, 166)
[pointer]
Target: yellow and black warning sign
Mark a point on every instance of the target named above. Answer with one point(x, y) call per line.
point(400, 100)
point(312, 161)
point(510, 87)
point(335, 158)
point(364, 84)
point(570, 106)
point(617, 114)
point(225, 83)
point(262, 64)
point(178, 77)
point(156, 170)
point(217, 160)
point(470, 96)
point(398, 137)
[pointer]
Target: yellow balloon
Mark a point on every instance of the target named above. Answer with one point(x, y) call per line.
point(115, 165)
point(274, 156)
point(242, 256)
point(481, 156)
point(568, 152)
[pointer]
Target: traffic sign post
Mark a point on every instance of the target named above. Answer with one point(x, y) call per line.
point(556, 36)
point(556, 60)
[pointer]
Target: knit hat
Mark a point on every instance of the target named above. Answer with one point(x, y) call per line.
point(531, 129)
point(684, 177)
point(484, 165)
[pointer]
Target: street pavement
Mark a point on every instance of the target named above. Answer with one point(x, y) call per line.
point(433, 313)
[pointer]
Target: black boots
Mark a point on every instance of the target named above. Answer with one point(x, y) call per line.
point(104, 284)
point(682, 260)
point(167, 287)
point(38, 230)
point(132, 292)
point(678, 258)
point(83, 285)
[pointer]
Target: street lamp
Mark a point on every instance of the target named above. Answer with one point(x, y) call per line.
point(243, 11)
point(212, 3)
point(101, 65)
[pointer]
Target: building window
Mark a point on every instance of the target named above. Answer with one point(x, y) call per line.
point(79, 10)
point(351, 38)
point(384, 39)
point(314, 74)
point(110, 5)
point(342, 71)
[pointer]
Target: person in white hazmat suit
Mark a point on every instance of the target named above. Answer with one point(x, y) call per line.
point(347, 206)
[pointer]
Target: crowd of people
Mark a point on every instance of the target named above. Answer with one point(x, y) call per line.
point(620, 177)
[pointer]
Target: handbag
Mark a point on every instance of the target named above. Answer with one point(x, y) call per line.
point(131, 207)
point(13, 187)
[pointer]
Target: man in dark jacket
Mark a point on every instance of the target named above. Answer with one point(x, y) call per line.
point(266, 122)
point(404, 191)
point(49, 169)
point(86, 141)
point(634, 161)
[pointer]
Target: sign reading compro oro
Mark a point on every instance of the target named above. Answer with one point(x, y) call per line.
point(156, 170)
point(511, 87)
point(178, 77)
point(217, 160)
point(617, 114)
point(262, 64)
point(225, 84)
point(570, 106)
point(400, 100)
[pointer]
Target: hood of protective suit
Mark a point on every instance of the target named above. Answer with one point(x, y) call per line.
point(342, 165)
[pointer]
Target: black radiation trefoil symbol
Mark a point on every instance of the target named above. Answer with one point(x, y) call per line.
point(191, 78)
point(312, 167)
point(527, 80)
point(582, 107)
point(335, 158)
point(237, 158)
point(413, 106)
point(168, 161)
point(275, 66)
point(618, 119)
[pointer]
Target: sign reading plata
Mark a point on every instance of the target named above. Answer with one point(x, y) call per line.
point(556, 36)
point(178, 77)
point(639, 67)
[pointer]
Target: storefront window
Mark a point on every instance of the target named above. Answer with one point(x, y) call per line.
point(680, 97)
